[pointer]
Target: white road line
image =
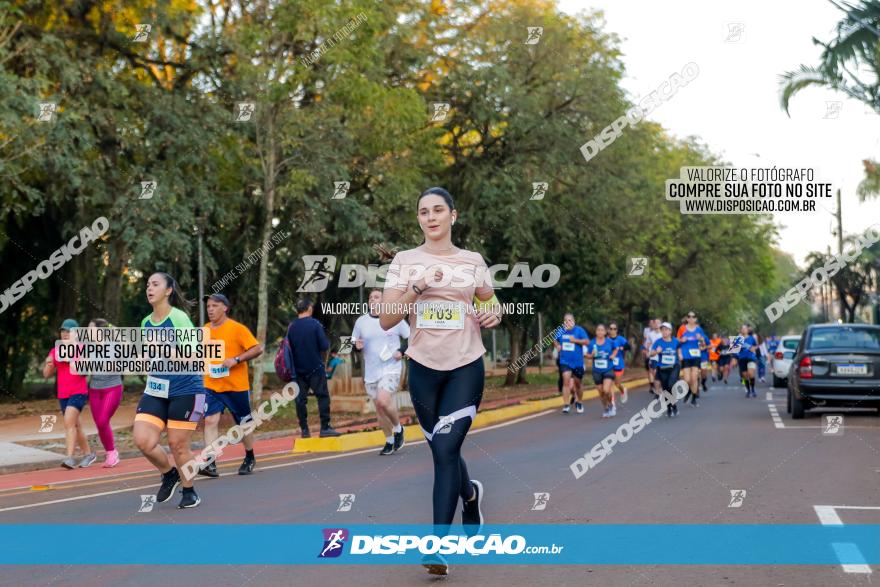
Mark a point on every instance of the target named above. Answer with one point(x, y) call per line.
point(769, 396)
point(278, 466)
point(23, 507)
point(827, 515)
point(849, 551)
point(774, 413)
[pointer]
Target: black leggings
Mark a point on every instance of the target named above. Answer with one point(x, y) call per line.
point(437, 395)
point(667, 377)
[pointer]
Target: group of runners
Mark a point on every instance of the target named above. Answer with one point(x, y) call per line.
point(446, 369)
point(670, 354)
point(446, 372)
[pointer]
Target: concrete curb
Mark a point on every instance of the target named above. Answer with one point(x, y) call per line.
point(376, 438)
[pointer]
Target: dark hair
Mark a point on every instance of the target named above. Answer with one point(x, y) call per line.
point(176, 299)
point(100, 322)
point(303, 305)
point(437, 191)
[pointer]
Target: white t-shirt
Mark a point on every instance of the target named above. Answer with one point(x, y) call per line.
point(653, 336)
point(379, 346)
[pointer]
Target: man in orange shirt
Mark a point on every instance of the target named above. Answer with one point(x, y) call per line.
point(714, 355)
point(681, 328)
point(227, 383)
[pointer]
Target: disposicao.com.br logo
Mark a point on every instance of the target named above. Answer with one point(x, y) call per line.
point(334, 541)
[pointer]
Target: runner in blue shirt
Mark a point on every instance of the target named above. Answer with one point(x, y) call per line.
point(668, 354)
point(747, 359)
point(569, 342)
point(604, 352)
point(693, 340)
point(619, 366)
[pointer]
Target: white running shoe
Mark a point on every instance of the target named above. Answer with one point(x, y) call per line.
point(579, 407)
point(566, 409)
point(613, 411)
point(605, 413)
point(623, 396)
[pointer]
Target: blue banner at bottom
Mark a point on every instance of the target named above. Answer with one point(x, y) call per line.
point(593, 544)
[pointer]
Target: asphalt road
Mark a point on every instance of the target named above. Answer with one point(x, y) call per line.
point(673, 471)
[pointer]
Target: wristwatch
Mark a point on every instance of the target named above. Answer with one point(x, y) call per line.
point(237, 361)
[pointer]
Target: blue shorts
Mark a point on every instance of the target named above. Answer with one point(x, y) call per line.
point(237, 402)
point(577, 372)
point(77, 400)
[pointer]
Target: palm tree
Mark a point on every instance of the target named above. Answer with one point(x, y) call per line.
point(854, 52)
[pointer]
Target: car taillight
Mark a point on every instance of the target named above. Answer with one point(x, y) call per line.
point(805, 369)
point(778, 354)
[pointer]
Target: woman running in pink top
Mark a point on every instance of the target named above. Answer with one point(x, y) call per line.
point(448, 295)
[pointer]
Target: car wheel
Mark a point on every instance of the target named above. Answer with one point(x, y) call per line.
point(777, 382)
point(797, 407)
point(788, 402)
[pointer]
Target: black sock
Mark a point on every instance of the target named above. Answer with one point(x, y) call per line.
point(249, 455)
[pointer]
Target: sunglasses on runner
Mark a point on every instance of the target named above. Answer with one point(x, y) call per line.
point(691, 315)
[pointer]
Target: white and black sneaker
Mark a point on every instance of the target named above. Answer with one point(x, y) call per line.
point(387, 450)
point(471, 511)
point(170, 481)
point(436, 564)
point(190, 498)
point(399, 439)
point(566, 409)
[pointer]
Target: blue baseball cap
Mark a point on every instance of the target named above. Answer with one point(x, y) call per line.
point(69, 324)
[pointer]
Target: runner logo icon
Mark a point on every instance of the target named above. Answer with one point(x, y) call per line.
point(48, 422)
point(334, 541)
point(541, 501)
point(319, 271)
point(147, 503)
point(539, 190)
point(736, 498)
point(346, 500)
point(637, 266)
point(833, 425)
point(148, 188)
point(535, 33)
point(445, 425)
point(47, 111)
point(340, 189)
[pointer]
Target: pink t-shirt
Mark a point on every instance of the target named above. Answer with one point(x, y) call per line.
point(68, 383)
point(438, 348)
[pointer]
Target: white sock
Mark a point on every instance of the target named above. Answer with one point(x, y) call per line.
point(398, 428)
point(389, 439)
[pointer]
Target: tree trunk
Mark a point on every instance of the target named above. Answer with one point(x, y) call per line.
point(113, 281)
point(263, 283)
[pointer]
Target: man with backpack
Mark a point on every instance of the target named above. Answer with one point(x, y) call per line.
point(307, 342)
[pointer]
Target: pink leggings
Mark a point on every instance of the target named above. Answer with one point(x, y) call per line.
point(103, 403)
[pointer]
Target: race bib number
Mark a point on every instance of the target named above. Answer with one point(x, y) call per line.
point(217, 371)
point(667, 359)
point(441, 315)
point(386, 353)
point(157, 387)
point(568, 346)
point(600, 363)
point(695, 353)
